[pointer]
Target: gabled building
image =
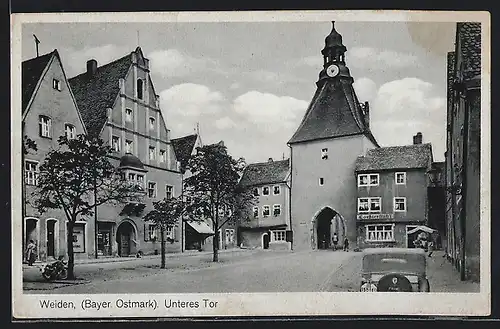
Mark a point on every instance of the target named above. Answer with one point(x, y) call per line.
point(392, 202)
point(267, 221)
point(196, 235)
point(335, 130)
point(49, 110)
point(119, 104)
point(463, 151)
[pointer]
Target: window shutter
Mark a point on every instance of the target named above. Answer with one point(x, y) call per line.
point(146, 232)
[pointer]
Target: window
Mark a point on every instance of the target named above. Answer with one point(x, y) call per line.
point(152, 190)
point(368, 179)
point(321, 181)
point(129, 146)
point(400, 178)
point(380, 233)
point(276, 210)
point(256, 191)
point(324, 153)
point(140, 88)
point(255, 212)
point(70, 131)
point(163, 157)
point(56, 84)
point(45, 125)
point(265, 190)
point(169, 191)
point(276, 190)
point(279, 236)
point(266, 211)
point(152, 232)
point(31, 172)
point(229, 235)
point(369, 204)
point(169, 232)
point(116, 143)
point(128, 115)
point(152, 125)
point(400, 204)
point(136, 179)
point(152, 153)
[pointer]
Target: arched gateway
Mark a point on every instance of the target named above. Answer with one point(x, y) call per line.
point(326, 222)
point(126, 238)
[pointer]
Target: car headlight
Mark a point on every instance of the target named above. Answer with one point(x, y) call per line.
point(368, 287)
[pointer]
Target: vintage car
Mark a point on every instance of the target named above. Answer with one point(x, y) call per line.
point(394, 270)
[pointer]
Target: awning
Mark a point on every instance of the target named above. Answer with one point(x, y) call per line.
point(201, 227)
point(422, 228)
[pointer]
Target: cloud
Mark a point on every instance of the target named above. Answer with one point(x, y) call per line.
point(404, 107)
point(366, 57)
point(225, 123)
point(365, 88)
point(174, 63)
point(268, 111)
point(190, 100)
point(76, 59)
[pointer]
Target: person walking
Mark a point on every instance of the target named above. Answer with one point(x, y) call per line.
point(31, 252)
point(346, 244)
point(430, 248)
point(335, 241)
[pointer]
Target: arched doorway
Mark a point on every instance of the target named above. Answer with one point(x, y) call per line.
point(125, 235)
point(265, 241)
point(326, 223)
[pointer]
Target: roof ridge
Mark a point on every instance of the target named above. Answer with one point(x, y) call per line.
point(190, 135)
point(267, 162)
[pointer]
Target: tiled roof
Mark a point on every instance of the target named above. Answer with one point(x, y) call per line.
point(183, 147)
point(31, 71)
point(265, 173)
point(333, 112)
point(95, 94)
point(470, 39)
point(396, 157)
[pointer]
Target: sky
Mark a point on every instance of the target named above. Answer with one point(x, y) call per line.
point(249, 84)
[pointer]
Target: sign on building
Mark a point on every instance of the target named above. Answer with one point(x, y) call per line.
point(375, 216)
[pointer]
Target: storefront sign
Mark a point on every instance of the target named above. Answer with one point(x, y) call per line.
point(375, 216)
point(79, 238)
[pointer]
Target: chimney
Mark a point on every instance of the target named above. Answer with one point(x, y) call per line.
point(91, 67)
point(367, 114)
point(417, 139)
point(270, 160)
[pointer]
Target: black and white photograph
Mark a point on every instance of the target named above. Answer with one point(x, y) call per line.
point(277, 163)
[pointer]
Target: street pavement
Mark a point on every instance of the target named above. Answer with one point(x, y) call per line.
point(249, 271)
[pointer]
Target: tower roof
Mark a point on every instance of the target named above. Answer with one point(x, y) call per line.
point(334, 39)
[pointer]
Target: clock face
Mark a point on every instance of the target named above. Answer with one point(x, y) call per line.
point(332, 70)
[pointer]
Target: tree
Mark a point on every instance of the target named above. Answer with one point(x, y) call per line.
point(213, 188)
point(71, 174)
point(166, 213)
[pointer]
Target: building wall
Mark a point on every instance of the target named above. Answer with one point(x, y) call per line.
point(61, 108)
point(338, 191)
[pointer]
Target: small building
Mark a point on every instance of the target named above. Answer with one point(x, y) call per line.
point(49, 110)
point(119, 104)
point(463, 152)
point(392, 191)
point(266, 223)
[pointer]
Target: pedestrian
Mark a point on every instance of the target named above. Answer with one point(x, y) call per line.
point(430, 247)
point(335, 241)
point(346, 244)
point(31, 252)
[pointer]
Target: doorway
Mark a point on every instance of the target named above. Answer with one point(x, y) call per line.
point(124, 238)
point(411, 237)
point(265, 241)
point(324, 228)
point(51, 238)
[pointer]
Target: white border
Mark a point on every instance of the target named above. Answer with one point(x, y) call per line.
point(262, 304)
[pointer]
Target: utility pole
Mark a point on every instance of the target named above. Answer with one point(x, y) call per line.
point(37, 42)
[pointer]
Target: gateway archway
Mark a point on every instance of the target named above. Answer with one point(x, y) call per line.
point(125, 237)
point(327, 222)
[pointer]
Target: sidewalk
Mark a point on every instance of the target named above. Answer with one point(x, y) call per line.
point(443, 277)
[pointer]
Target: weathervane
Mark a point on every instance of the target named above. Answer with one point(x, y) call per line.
point(36, 43)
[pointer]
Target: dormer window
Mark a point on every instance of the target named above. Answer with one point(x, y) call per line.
point(56, 84)
point(140, 88)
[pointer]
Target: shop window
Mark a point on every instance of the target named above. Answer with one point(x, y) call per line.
point(279, 236)
point(379, 233)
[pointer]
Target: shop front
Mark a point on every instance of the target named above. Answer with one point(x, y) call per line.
point(104, 238)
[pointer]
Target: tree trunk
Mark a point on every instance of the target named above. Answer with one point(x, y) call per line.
point(216, 238)
point(162, 237)
point(71, 254)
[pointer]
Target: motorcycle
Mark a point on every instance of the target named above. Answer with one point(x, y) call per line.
point(55, 270)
